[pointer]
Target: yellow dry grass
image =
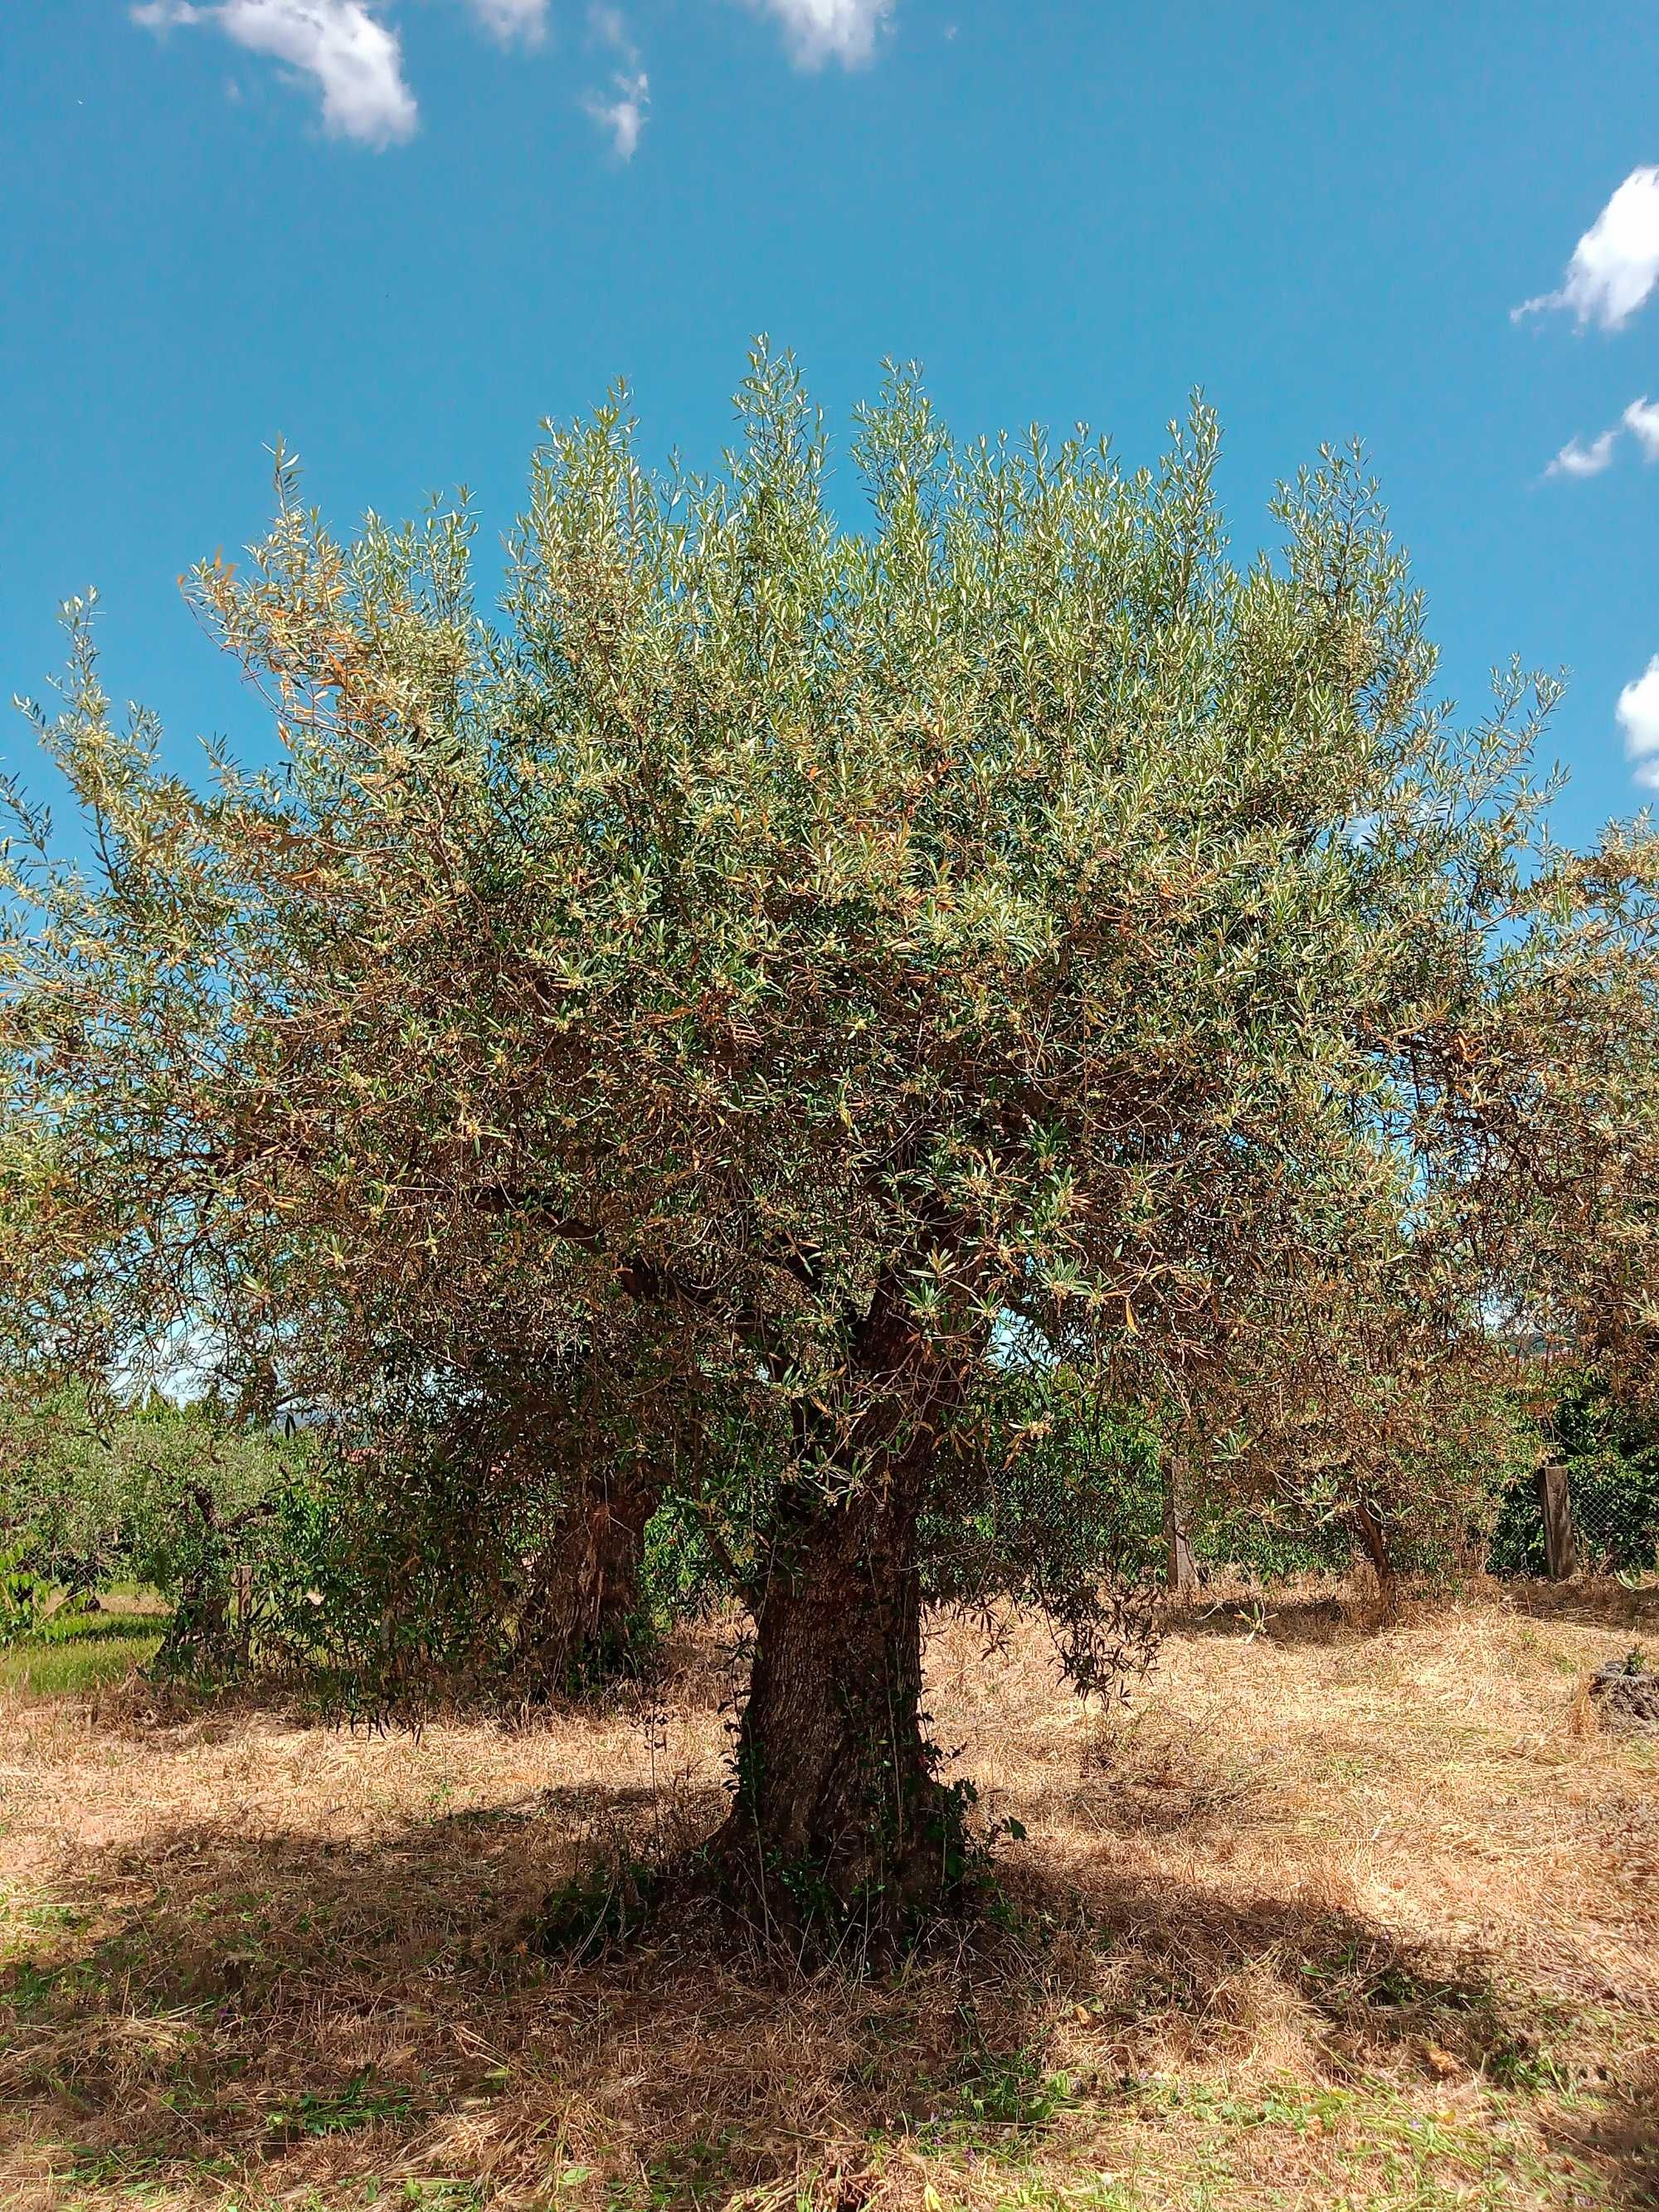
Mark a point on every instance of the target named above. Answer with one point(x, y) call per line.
point(1329, 1916)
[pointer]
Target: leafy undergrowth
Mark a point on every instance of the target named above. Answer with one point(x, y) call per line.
point(1329, 1919)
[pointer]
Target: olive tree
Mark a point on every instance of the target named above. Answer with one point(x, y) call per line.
point(777, 962)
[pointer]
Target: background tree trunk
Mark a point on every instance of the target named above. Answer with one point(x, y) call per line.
point(1179, 1566)
point(580, 1622)
point(1374, 1536)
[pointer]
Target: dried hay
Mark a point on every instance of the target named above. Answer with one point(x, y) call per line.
point(1328, 1914)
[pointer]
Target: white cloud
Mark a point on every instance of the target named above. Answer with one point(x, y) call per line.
point(354, 59)
point(608, 26)
point(1616, 264)
point(623, 115)
point(830, 30)
point(1577, 460)
point(1641, 419)
point(1639, 718)
point(507, 20)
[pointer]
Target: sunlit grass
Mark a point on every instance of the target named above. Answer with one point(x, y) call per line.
point(1329, 1917)
point(87, 1653)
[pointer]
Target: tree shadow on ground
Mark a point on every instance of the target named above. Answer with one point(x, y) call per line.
point(1589, 1602)
point(282, 2012)
point(1341, 1612)
point(1319, 1616)
point(1620, 2139)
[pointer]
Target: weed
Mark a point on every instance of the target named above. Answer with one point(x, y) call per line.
point(604, 1903)
point(336, 2111)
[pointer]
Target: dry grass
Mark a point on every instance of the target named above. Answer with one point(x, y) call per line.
point(1331, 1917)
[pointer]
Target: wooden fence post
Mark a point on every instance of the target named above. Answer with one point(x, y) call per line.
point(1182, 1574)
point(1555, 1499)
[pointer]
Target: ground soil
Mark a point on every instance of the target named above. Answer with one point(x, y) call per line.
point(1330, 1915)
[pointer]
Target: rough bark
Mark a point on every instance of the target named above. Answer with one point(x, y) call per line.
point(579, 1623)
point(837, 1803)
point(1555, 1504)
point(1374, 1538)
point(837, 1812)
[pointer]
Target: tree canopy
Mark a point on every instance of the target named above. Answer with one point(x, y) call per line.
point(791, 973)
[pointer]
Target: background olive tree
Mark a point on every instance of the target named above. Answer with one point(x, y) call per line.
point(182, 1499)
point(780, 963)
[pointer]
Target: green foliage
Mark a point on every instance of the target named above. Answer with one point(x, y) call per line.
point(1429, 1457)
point(397, 1598)
point(1066, 1493)
point(1074, 1498)
point(94, 1494)
point(443, 1586)
point(680, 1577)
point(22, 1594)
point(1610, 1447)
point(180, 1498)
point(1014, 900)
point(1054, 1500)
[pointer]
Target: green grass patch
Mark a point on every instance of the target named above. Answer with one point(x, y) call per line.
point(66, 1658)
point(357, 2105)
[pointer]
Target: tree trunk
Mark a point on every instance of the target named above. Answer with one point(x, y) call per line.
point(838, 1816)
point(1374, 1538)
point(607, 1581)
point(579, 1626)
point(837, 1809)
point(1182, 1574)
point(1374, 1535)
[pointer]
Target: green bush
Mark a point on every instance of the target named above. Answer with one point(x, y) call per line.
point(1612, 1457)
point(21, 1596)
point(372, 1581)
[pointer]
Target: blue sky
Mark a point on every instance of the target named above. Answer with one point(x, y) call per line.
point(401, 232)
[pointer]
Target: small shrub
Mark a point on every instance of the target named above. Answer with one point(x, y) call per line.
point(21, 1593)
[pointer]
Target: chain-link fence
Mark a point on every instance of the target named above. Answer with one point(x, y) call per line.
point(1599, 1516)
point(1614, 1523)
point(1599, 1513)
